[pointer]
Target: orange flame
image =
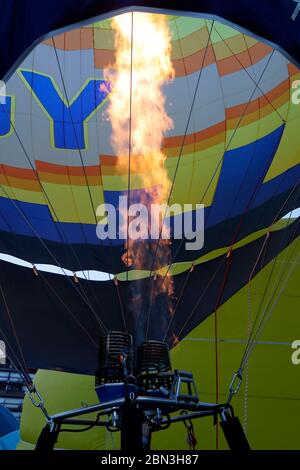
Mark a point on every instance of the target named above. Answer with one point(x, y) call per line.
point(175, 340)
point(139, 119)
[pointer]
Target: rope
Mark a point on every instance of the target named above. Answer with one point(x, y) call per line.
point(83, 167)
point(221, 160)
point(30, 225)
point(58, 228)
point(175, 174)
point(47, 249)
point(79, 152)
point(249, 345)
point(247, 72)
point(129, 141)
point(68, 310)
point(12, 324)
point(199, 299)
point(269, 309)
point(216, 372)
point(264, 319)
point(249, 324)
point(270, 276)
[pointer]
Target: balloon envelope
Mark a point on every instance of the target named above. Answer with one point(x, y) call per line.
point(234, 147)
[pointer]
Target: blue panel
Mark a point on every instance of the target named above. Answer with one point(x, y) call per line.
point(40, 218)
point(68, 122)
point(37, 215)
point(5, 116)
point(135, 196)
point(278, 185)
point(243, 170)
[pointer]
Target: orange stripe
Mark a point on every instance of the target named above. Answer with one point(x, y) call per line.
point(293, 70)
point(103, 58)
point(196, 146)
point(239, 110)
point(176, 141)
point(82, 38)
point(182, 67)
point(264, 110)
point(20, 183)
point(46, 167)
point(68, 180)
point(24, 178)
point(244, 59)
point(24, 173)
point(193, 63)
point(77, 39)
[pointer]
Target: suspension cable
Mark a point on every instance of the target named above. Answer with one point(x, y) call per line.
point(221, 160)
point(267, 238)
point(248, 73)
point(260, 253)
point(254, 335)
point(239, 225)
point(82, 164)
point(60, 231)
point(175, 174)
point(83, 167)
point(24, 217)
point(223, 259)
point(14, 202)
point(55, 293)
point(129, 141)
point(21, 368)
point(269, 308)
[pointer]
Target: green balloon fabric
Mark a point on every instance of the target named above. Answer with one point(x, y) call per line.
point(63, 391)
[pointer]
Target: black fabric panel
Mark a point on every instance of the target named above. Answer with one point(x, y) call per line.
point(25, 21)
point(243, 261)
point(50, 338)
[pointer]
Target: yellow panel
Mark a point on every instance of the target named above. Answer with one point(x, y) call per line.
point(63, 391)
point(190, 45)
point(104, 39)
point(194, 174)
point(246, 134)
point(183, 26)
point(120, 183)
point(232, 46)
point(288, 154)
point(72, 203)
point(241, 135)
point(23, 195)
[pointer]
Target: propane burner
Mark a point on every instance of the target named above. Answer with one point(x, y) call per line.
point(143, 399)
point(153, 358)
point(115, 358)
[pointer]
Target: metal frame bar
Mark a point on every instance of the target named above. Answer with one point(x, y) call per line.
point(200, 409)
point(173, 419)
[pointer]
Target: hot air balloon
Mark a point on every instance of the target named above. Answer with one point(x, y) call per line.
point(192, 112)
point(9, 430)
